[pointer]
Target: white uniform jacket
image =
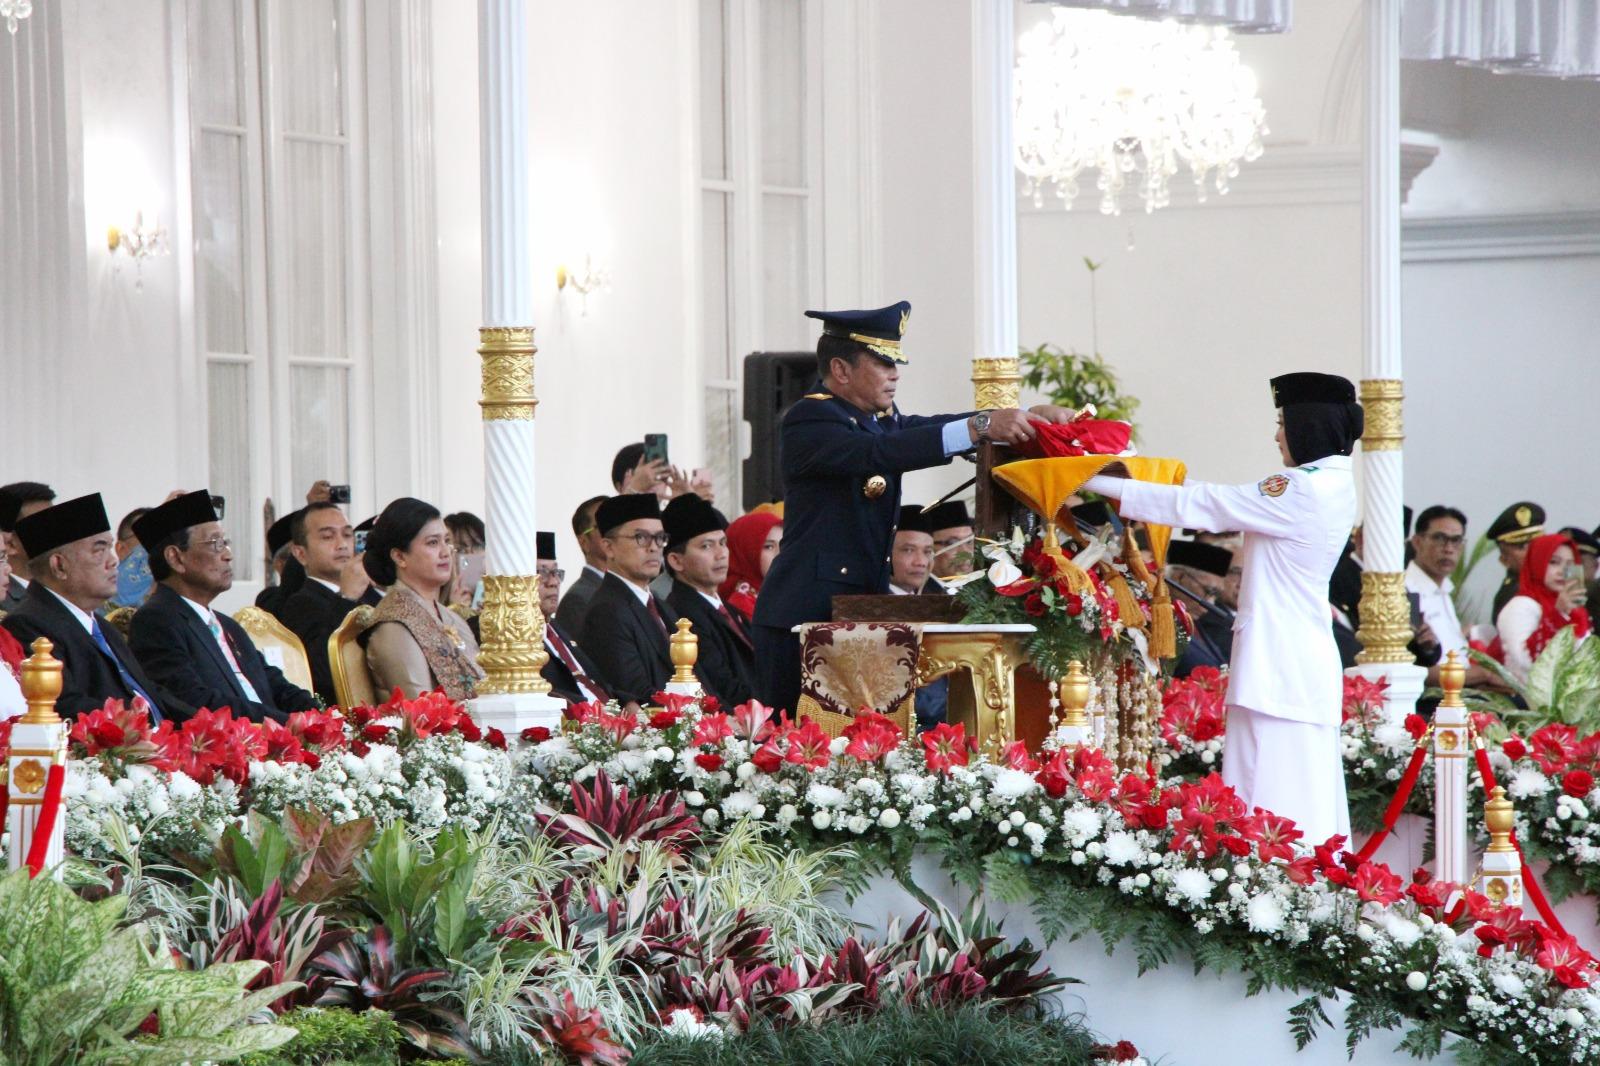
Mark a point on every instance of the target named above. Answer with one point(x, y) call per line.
point(1295, 524)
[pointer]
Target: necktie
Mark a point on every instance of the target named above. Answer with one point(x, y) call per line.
point(587, 685)
point(655, 612)
point(122, 671)
point(733, 624)
point(227, 653)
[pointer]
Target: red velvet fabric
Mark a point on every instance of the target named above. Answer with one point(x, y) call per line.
point(1085, 436)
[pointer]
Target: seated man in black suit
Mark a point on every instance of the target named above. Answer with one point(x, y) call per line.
point(324, 544)
point(72, 557)
point(575, 604)
point(627, 629)
point(18, 500)
point(697, 554)
point(203, 658)
point(568, 669)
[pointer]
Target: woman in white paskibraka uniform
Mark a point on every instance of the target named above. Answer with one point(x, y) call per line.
point(1285, 687)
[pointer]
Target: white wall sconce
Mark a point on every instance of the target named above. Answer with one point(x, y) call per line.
point(138, 242)
point(14, 11)
point(591, 280)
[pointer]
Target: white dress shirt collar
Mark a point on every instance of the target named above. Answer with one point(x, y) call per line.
point(84, 618)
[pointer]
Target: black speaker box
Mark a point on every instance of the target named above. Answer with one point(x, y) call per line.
point(773, 381)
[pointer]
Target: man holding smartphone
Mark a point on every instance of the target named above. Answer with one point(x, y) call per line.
point(845, 446)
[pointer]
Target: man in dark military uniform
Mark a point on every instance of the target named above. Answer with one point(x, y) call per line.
point(844, 447)
point(1516, 526)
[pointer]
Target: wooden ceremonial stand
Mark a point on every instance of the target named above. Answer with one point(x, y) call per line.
point(1003, 698)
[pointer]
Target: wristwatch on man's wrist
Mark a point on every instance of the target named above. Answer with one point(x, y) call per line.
point(980, 425)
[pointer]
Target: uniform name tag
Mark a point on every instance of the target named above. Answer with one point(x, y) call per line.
point(1274, 486)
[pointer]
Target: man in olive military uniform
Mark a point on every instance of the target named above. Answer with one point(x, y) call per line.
point(844, 447)
point(1516, 526)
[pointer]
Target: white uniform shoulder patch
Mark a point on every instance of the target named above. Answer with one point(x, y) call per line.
point(1274, 486)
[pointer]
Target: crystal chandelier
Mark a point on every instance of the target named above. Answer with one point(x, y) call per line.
point(13, 11)
point(1131, 100)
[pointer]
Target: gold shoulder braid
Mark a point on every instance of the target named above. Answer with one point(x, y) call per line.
point(442, 646)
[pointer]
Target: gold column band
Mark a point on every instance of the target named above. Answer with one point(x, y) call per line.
point(1381, 399)
point(507, 373)
point(1385, 619)
point(996, 383)
point(512, 653)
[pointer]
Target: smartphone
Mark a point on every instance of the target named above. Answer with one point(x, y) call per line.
point(339, 494)
point(361, 540)
point(471, 571)
point(218, 504)
point(655, 447)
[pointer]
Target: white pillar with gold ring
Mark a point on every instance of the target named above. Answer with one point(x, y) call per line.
point(995, 375)
point(38, 741)
point(512, 695)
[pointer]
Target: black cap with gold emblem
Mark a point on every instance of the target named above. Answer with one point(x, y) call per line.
point(878, 330)
point(1517, 524)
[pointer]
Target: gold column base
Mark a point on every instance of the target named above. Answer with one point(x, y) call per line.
point(1385, 620)
point(512, 652)
point(996, 383)
point(991, 660)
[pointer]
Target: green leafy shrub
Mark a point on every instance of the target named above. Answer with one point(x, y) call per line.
point(335, 1037)
point(962, 1036)
point(76, 986)
point(1073, 379)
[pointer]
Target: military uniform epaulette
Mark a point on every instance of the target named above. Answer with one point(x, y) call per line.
point(818, 396)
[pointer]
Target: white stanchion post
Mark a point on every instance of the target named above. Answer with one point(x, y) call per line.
point(38, 739)
point(1385, 629)
point(512, 695)
point(1451, 749)
point(1502, 866)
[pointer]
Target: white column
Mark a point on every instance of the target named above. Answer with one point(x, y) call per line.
point(994, 185)
point(513, 696)
point(1385, 616)
point(1451, 750)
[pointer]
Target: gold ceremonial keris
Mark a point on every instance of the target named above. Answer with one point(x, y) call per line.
point(507, 373)
point(1385, 619)
point(1381, 399)
point(513, 635)
point(996, 383)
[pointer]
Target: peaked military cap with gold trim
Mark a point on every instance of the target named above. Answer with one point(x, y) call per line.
point(1517, 524)
point(878, 330)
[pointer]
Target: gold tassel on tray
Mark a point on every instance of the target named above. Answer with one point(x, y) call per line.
point(1076, 579)
point(1163, 635)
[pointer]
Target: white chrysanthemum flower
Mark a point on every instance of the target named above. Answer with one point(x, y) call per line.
point(822, 819)
point(1011, 784)
point(1508, 983)
point(1081, 824)
point(889, 818)
point(738, 804)
point(1264, 913)
point(820, 795)
point(682, 1023)
point(1527, 783)
point(1123, 849)
point(1193, 885)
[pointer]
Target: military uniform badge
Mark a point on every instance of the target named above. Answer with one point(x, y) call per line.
point(1274, 486)
point(875, 486)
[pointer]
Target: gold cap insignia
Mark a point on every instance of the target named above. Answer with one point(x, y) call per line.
point(875, 486)
point(1524, 516)
point(905, 320)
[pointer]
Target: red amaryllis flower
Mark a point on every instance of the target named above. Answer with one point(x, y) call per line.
point(709, 761)
point(282, 745)
point(376, 731)
point(584, 712)
point(1302, 871)
point(752, 721)
point(871, 736)
point(665, 719)
point(536, 734)
point(1054, 776)
point(1273, 834)
point(767, 758)
point(620, 726)
point(945, 746)
point(712, 729)
point(1363, 698)
point(675, 702)
point(429, 713)
point(1016, 756)
point(1577, 783)
point(808, 745)
point(1514, 747)
point(318, 730)
point(1375, 883)
point(469, 729)
point(1566, 960)
point(495, 739)
point(1552, 747)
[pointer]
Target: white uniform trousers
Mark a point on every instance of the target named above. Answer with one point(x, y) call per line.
point(1293, 769)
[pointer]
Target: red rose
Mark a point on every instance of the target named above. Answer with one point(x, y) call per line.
point(1577, 783)
point(1514, 748)
point(665, 719)
point(1074, 604)
point(375, 731)
point(468, 728)
point(1416, 725)
point(536, 734)
point(359, 748)
point(495, 739)
point(311, 759)
point(1034, 605)
point(709, 761)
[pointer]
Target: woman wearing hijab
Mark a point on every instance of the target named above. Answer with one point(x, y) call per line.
point(415, 643)
point(11, 656)
point(753, 541)
point(1550, 596)
point(1286, 685)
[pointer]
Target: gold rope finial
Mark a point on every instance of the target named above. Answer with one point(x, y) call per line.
point(685, 652)
point(1452, 676)
point(1074, 690)
point(41, 684)
point(1500, 817)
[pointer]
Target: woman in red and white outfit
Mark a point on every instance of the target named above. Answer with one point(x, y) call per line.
point(1550, 596)
point(11, 656)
